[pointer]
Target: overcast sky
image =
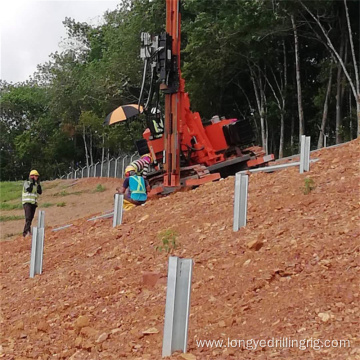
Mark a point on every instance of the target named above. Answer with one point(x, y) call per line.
point(31, 30)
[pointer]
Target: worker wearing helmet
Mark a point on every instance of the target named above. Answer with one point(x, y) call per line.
point(134, 188)
point(140, 166)
point(30, 192)
point(128, 169)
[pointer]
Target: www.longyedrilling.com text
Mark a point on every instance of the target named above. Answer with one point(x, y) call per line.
point(283, 342)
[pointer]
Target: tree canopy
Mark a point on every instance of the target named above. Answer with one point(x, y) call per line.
point(290, 67)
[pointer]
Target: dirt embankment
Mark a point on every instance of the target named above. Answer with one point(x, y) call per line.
point(293, 272)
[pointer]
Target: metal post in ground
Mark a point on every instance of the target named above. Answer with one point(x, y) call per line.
point(240, 200)
point(304, 154)
point(37, 251)
point(177, 306)
point(325, 140)
point(307, 153)
point(118, 210)
point(41, 219)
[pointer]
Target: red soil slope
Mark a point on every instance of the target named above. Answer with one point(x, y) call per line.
point(293, 272)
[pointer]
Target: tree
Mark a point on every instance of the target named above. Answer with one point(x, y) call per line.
point(354, 84)
point(325, 111)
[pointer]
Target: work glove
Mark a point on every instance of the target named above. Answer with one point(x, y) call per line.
point(33, 181)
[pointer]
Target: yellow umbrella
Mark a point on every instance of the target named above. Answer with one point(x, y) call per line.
point(123, 113)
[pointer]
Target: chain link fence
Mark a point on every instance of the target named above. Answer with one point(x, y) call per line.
point(114, 167)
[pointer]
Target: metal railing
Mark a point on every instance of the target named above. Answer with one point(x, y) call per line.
point(114, 167)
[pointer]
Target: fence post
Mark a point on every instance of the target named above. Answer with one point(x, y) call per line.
point(177, 306)
point(118, 210)
point(132, 156)
point(108, 169)
point(95, 167)
point(240, 200)
point(115, 171)
point(325, 140)
point(123, 166)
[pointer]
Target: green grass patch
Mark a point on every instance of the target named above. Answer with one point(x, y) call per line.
point(46, 205)
point(10, 190)
point(168, 241)
point(7, 206)
point(65, 193)
point(11, 217)
point(99, 188)
point(61, 204)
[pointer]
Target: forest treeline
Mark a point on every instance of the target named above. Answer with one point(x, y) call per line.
point(291, 67)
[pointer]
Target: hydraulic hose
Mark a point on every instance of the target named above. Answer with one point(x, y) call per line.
point(143, 84)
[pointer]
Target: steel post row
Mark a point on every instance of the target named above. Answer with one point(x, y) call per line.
point(177, 308)
point(118, 210)
point(240, 200)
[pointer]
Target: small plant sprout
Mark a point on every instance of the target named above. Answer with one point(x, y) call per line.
point(100, 188)
point(309, 185)
point(168, 241)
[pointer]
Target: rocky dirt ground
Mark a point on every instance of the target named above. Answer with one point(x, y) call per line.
point(293, 272)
